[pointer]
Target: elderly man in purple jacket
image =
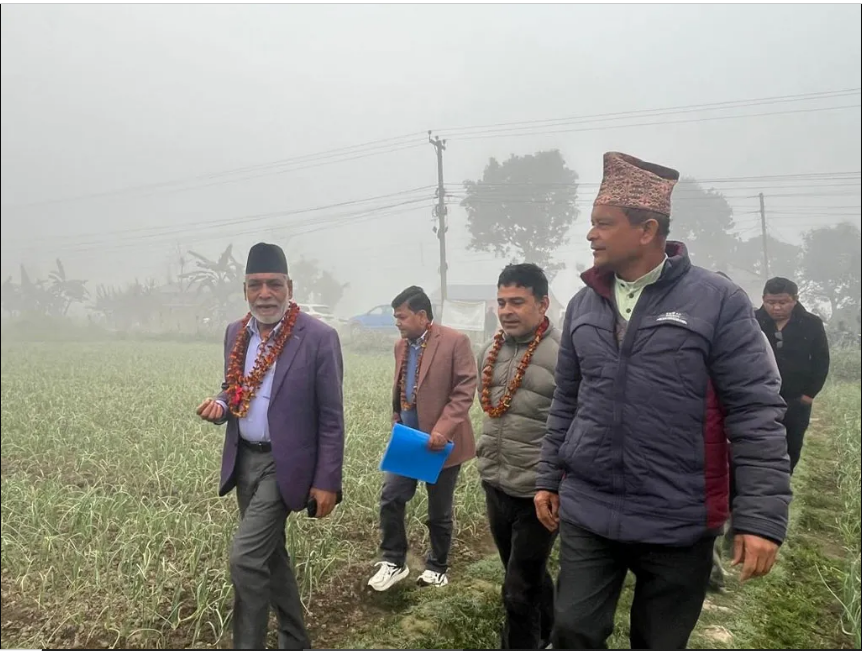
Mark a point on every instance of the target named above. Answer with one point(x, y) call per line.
point(284, 446)
point(660, 363)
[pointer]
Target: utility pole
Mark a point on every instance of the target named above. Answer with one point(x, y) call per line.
point(763, 236)
point(440, 212)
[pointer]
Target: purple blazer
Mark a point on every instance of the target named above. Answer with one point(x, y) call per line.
point(306, 414)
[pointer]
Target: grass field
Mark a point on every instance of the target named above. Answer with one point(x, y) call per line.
point(112, 533)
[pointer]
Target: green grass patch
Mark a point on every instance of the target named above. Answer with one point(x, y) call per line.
point(112, 533)
point(843, 432)
point(797, 606)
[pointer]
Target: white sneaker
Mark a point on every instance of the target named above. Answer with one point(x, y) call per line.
point(388, 575)
point(430, 577)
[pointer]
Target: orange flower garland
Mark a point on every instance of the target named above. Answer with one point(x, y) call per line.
point(241, 388)
point(406, 405)
point(498, 410)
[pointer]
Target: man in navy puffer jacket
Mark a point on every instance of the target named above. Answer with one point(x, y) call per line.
point(660, 363)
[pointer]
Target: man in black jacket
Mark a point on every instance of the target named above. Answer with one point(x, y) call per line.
point(798, 339)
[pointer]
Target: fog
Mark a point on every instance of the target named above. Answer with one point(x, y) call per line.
point(147, 147)
point(132, 134)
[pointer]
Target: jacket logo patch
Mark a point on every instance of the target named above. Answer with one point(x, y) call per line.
point(676, 317)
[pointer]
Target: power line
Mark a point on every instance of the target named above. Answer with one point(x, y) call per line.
point(399, 143)
point(373, 148)
point(276, 172)
point(502, 133)
point(173, 230)
point(294, 228)
point(666, 110)
point(245, 219)
point(318, 225)
point(811, 176)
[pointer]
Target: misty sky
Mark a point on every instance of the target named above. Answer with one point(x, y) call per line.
point(99, 99)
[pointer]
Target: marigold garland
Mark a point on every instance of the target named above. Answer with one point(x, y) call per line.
point(406, 405)
point(241, 388)
point(498, 410)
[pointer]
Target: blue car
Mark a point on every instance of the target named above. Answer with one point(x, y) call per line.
point(377, 319)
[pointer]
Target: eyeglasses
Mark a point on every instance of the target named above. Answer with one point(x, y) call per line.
point(779, 339)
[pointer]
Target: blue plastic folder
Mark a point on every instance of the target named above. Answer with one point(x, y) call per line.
point(408, 455)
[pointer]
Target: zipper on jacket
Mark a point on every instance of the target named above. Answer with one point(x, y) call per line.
point(650, 297)
point(624, 349)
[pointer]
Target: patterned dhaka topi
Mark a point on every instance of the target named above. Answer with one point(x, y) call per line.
point(629, 182)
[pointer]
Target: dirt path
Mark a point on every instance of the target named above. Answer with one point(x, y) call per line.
point(347, 607)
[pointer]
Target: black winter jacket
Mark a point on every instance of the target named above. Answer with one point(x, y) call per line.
point(802, 353)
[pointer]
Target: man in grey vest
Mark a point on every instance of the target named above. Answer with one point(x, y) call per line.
point(516, 384)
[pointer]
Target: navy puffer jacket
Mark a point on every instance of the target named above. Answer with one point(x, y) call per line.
point(636, 441)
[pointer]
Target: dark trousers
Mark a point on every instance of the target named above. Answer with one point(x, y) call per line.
point(259, 564)
point(669, 591)
point(796, 421)
point(528, 590)
point(397, 491)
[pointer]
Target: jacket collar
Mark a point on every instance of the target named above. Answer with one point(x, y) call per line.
point(798, 312)
point(676, 265)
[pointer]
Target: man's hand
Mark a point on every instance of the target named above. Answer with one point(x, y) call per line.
point(325, 502)
point(396, 418)
point(755, 553)
point(548, 509)
point(210, 410)
point(437, 442)
point(805, 400)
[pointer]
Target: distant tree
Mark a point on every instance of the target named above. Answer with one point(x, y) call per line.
point(67, 291)
point(39, 298)
point(831, 265)
point(11, 297)
point(784, 258)
point(221, 277)
point(311, 284)
point(523, 208)
point(134, 307)
point(106, 304)
point(703, 220)
point(216, 275)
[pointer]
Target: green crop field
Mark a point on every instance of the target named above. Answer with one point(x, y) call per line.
point(113, 535)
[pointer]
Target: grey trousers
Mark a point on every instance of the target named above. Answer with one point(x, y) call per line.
point(259, 563)
point(397, 491)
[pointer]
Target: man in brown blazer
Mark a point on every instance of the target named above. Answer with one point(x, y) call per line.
point(434, 387)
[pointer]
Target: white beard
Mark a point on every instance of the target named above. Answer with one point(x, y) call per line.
point(269, 320)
